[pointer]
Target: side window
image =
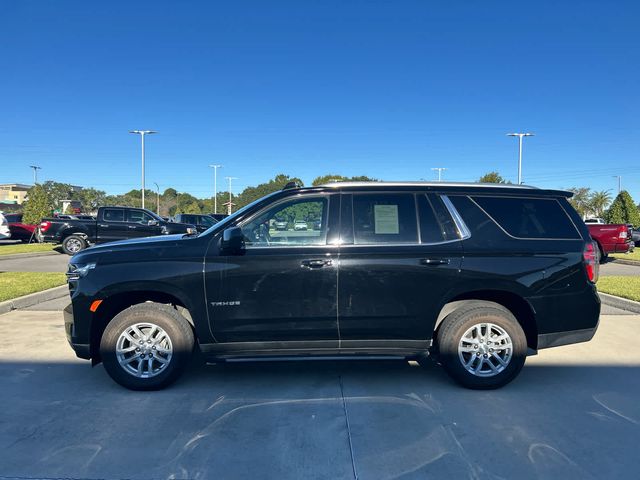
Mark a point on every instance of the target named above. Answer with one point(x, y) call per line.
point(138, 216)
point(447, 225)
point(529, 217)
point(113, 215)
point(207, 221)
point(436, 224)
point(384, 218)
point(302, 221)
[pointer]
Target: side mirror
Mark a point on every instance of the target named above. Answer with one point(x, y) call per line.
point(152, 223)
point(232, 241)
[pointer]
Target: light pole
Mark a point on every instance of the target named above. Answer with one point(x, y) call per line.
point(157, 198)
point(35, 173)
point(439, 169)
point(142, 133)
point(215, 187)
point(230, 197)
point(619, 177)
point(520, 135)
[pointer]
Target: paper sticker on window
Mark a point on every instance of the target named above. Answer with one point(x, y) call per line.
point(386, 219)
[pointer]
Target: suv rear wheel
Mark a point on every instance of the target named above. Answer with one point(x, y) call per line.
point(482, 345)
point(147, 346)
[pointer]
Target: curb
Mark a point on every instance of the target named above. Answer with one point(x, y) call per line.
point(27, 255)
point(619, 302)
point(624, 261)
point(33, 299)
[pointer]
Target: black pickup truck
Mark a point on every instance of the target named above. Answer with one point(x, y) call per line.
point(111, 224)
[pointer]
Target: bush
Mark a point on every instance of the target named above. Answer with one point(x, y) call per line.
point(623, 210)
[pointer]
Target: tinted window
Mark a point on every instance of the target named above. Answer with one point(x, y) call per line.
point(138, 216)
point(207, 221)
point(310, 214)
point(436, 224)
point(113, 215)
point(12, 218)
point(529, 217)
point(384, 218)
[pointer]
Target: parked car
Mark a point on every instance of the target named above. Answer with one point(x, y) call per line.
point(5, 232)
point(111, 224)
point(20, 231)
point(317, 225)
point(475, 275)
point(610, 238)
point(280, 225)
point(635, 235)
point(597, 221)
point(219, 216)
point(202, 222)
point(300, 225)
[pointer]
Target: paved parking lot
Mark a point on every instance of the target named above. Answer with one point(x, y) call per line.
point(573, 413)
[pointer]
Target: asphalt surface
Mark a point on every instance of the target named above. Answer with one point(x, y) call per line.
point(45, 263)
point(572, 413)
point(612, 268)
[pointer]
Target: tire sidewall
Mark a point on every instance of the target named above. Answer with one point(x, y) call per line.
point(166, 318)
point(450, 337)
point(82, 241)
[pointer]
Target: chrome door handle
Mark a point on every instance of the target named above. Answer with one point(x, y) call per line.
point(132, 226)
point(316, 263)
point(435, 261)
point(103, 226)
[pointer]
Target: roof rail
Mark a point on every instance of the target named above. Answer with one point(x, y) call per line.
point(291, 185)
point(427, 183)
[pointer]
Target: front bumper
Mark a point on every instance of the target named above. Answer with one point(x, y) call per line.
point(82, 350)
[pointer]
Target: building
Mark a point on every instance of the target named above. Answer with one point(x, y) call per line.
point(13, 192)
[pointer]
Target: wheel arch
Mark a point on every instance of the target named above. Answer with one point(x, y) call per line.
point(516, 304)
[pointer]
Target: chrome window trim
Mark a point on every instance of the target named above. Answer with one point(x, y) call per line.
point(463, 230)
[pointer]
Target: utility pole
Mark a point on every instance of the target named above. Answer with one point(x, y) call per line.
point(142, 133)
point(619, 177)
point(35, 173)
point(215, 187)
point(230, 196)
point(439, 169)
point(519, 135)
point(157, 198)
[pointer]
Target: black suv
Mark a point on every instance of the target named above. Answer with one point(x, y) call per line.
point(477, 276)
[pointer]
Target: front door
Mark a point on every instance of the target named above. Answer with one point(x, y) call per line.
point(138, 224)
point(399, 257)
point(284, 287)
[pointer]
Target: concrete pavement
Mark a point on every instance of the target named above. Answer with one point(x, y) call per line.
point(572, 413)
point(613, 268)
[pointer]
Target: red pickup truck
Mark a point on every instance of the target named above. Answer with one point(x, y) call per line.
point(611, 238)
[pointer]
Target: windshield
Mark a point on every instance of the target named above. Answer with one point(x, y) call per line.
point(223, 223)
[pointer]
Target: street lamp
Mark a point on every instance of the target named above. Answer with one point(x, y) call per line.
point(157, 198)
point(35, 173)
point(439, 169)
point(520, 135)
point(142, 133)
point(215, 187)
point(229, 179)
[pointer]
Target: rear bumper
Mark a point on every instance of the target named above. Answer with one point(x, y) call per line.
point(548, 340)
point(82, 350)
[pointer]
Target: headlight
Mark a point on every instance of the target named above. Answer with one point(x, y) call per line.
point(77, 271)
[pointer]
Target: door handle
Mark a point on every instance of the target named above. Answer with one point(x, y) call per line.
point(316, 263)
point(103, 226)
point(132, 226)
point(435, 261)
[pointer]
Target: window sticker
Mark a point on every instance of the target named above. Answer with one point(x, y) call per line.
point(386, 219)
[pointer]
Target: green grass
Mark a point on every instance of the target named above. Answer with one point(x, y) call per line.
point(626, 287)
point(635, 256)
point(26, 248)
point(16, 284)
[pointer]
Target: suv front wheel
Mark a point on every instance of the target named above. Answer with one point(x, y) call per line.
point(482, 345)
point(147, 346)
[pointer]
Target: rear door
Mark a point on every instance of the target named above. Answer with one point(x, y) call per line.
point(111, 225)
point(400, 255)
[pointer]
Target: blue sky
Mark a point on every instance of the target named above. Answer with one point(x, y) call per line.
point(388, 89)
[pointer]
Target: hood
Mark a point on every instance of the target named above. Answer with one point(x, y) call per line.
point(146, 242)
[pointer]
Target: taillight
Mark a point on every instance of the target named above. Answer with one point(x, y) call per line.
point(622, 232)
point(44, 226)
point(591, 261)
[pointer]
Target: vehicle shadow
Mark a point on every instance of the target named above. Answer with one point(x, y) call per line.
point(314, 419)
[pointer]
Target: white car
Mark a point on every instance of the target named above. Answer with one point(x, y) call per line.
point(597, 221)
point(300, 225)
point(4, 228)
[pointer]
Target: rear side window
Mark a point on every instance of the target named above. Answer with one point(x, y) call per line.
point(384, 218)
point(113, 215)
point(529, 217)
point(436, 224)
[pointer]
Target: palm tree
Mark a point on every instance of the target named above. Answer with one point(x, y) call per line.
point(600, 201)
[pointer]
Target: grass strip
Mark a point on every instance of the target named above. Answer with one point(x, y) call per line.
point(625, 287)
point(17, 284)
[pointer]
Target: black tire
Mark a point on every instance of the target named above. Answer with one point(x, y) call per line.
point(603, 256)
point(460, 321)
point(73, 244)
point(168, 319)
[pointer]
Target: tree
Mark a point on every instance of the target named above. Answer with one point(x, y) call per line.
point(321, 180)
point(37, 205)
point(251, 194)
point(492, 177)
point(91, 198)
point(623, 210)
point(581, 200)
point(600, 201)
